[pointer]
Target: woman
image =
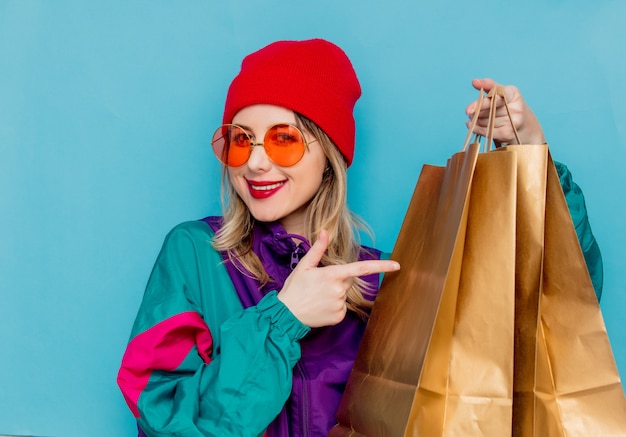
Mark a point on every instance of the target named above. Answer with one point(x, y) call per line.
point(245, 328)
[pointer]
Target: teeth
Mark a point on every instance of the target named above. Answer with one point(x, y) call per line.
point(266, 187)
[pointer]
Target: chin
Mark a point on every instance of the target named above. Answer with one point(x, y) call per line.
point(265, 217)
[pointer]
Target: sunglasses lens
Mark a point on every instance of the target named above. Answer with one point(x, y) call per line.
point(231, 145)
point(284, 145)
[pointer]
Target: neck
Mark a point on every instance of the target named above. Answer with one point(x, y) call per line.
point(294, 222)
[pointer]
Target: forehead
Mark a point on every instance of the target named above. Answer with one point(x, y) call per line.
point(263, 116)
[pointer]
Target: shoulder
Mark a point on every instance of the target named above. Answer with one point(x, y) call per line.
point(190, 238)
point(200, 230)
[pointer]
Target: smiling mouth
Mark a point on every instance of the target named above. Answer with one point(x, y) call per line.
point(263, 190)
point(265, 187)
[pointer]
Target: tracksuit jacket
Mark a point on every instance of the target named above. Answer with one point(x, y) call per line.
point(212, 353)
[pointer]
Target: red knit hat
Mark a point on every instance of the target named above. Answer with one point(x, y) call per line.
point(314, 78)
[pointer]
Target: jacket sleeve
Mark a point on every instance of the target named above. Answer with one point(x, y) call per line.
point(578, 211)
point(197, 364)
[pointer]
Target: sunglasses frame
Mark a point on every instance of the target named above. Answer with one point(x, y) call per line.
point(256, 144)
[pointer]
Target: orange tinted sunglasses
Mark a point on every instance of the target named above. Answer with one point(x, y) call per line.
point(284, 144)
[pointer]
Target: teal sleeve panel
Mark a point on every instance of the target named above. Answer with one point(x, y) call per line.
point(385, 255)
point(578, 211)
point(233, 384)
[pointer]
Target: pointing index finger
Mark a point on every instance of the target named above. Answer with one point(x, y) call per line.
point(367, 267)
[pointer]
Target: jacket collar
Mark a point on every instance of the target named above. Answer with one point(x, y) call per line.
point(278, 251)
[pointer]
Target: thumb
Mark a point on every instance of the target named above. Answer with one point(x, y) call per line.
point(486, 84)
point(315, 254)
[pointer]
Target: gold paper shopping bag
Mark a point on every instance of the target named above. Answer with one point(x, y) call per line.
point(476, 392)
point(422, 327)
point(578, 391)
point(380, 391)
point(484, 330)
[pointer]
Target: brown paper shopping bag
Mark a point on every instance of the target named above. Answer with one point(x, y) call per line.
point(401, 383)
point(460, 342)
point(380, 391)
point(578, 391)
point(466, 383)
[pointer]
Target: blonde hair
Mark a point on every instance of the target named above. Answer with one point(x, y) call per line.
point(328, 209)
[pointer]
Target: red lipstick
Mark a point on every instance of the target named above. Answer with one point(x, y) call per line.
point(264, 189)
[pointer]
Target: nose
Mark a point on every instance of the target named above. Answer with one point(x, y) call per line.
point(258, 161)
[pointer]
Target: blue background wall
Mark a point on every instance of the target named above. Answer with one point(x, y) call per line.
point(106, 112)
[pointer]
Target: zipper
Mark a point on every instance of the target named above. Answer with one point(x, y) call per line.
point(304, 407)
point(296, 255)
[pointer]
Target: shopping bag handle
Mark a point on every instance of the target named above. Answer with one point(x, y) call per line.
point(470, 129)
point(493, 94)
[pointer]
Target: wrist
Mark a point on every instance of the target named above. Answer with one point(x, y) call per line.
point(531, 133)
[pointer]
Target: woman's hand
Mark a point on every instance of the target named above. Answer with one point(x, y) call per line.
point(317, 295)
point(527, 125)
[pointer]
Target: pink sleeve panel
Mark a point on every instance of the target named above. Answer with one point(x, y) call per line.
point(162, 347)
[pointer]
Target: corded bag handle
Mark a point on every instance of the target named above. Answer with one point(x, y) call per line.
point(470, 130)
point(493, 94)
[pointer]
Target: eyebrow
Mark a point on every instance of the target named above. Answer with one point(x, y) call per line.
point(250, 132)
point(247, 128)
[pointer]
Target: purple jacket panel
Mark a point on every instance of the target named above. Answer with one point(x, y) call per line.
point(328, 353)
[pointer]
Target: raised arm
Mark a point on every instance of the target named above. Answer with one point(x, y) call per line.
point(530, 132)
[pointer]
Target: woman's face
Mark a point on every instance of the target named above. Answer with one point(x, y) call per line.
point(272, 192)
